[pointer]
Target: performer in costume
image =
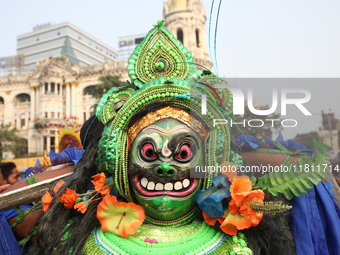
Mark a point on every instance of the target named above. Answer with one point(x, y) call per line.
point(132, 193)
point(68, 134)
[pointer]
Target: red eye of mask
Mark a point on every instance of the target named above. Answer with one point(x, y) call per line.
point(148, 151)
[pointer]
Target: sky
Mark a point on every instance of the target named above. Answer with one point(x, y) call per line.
point(263, 38)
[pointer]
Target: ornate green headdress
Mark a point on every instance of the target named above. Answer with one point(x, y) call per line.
point(161, 70)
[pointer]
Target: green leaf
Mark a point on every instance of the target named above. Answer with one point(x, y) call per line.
point(34, 179)
point(298, 180)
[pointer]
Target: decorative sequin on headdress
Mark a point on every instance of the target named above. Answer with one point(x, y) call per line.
point(165, 113)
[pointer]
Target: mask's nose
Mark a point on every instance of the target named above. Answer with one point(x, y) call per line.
point(165, 170)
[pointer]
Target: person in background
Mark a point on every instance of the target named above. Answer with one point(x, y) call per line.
point(10, 173)
point(2, 185)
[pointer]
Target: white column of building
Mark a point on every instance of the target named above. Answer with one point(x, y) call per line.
point(37, 99)
point(48, 143)
point(33, 104)
point(73, 99)
point(41, 94)
point(68, 97)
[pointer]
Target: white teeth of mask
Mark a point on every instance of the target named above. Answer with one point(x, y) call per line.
point(168, 186)
point(186, 183)
point(178, 185)
point(151, 186)
point(144, 182)
point(159, 186)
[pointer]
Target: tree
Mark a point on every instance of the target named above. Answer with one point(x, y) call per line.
point(107, 82)
point(9, 140)
point(307, 138)
point(265, 126)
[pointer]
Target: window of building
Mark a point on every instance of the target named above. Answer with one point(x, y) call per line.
point(58, 114)
point(58, 33)
point(52, 114)
point(180, 35)
point(46, 114)
point(22, 122)
point(23, 98)
point(37, 38)
point(79, 38)
point(198, 43)
point(52, 88)
point(45, 143)
point(52, 143)
point(23, 148)
point(46, 87)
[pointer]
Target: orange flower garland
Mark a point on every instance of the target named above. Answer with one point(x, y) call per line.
point(82, 206)
point(100, 184)
point(119, 218)
point(71, 199)
point(46, 201)
point(57, 187)
point(68, 198)
point(239, 214)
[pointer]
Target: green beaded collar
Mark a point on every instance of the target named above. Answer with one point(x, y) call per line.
point(194, 238)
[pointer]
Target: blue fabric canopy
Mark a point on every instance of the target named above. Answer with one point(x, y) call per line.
point(316, 222)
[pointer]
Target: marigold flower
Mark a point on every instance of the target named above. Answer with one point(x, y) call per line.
point(46, 200)
point(236, 222)
point(100, 184)
point(82, 206)
point(211, 220)
point(240, 214)
point(239, 185)
point(68, 198)
point(119, 218)
point(57, 186)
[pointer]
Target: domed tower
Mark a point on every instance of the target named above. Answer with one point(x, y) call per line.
point(186, 21)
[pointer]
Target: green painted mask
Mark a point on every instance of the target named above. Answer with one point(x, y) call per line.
point(159, 171)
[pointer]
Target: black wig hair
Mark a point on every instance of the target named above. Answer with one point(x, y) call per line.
point(58, 220)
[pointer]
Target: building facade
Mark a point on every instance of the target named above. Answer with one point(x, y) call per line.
point(64, 39)
point(186, 19)
point(33, 101)
point(60, 86)
point(330, 134)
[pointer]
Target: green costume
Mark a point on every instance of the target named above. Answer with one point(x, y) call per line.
point(166, 141)
point(154, 136)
